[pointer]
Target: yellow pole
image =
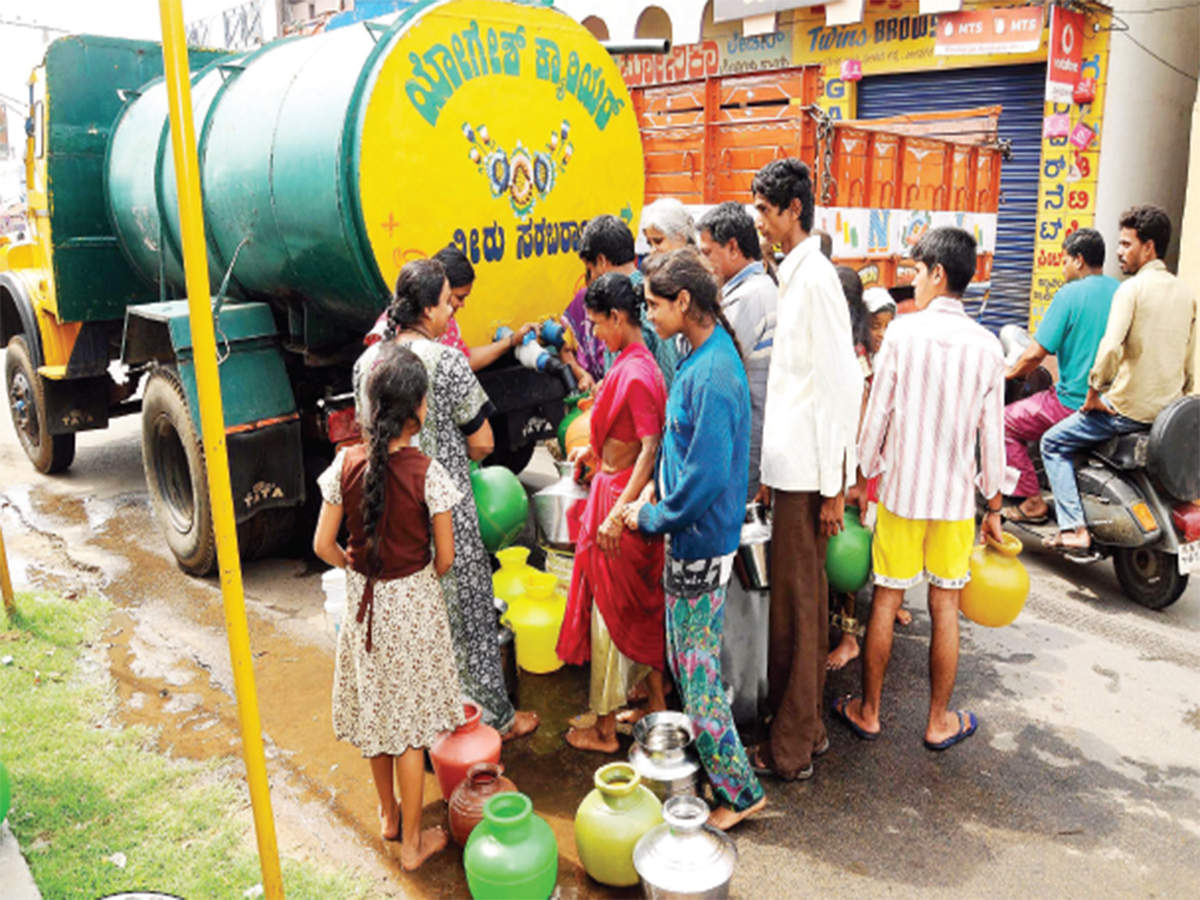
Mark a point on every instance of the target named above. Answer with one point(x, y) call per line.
point(5, 581)
point(212, 423)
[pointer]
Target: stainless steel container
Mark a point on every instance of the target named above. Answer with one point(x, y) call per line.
point(685, 857)
point(663, 754)
point(551, 503)
point(753, 560)
point(508, 652)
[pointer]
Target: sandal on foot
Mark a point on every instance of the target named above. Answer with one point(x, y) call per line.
point(1018, 516)
point(762, 767)
point(966, 728)
point(839, 712)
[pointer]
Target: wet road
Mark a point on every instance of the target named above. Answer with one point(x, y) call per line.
point(1083, 780)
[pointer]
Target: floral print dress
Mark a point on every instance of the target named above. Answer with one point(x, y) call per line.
point(404, 690)
point(456, 399)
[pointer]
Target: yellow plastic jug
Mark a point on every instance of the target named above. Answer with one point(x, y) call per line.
point(536, 617)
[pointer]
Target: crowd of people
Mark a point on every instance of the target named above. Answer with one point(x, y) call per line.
point(721, 380)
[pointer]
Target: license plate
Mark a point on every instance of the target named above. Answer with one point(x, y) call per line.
point(1189, 558)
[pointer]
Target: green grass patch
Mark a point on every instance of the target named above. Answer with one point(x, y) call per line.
point(85, 789)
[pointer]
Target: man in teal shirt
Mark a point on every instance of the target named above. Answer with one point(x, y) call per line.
point(1071, 330)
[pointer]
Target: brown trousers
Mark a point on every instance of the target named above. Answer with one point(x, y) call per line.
point(799, 632)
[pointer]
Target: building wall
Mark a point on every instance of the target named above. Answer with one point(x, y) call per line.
point(1189, 244)
point(1148, 116)
point(622, 18)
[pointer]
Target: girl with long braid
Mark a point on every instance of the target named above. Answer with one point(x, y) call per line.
point(703, 472)
point(395, 683)
point(455, 432)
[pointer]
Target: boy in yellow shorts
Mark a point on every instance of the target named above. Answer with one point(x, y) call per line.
point(938, 388)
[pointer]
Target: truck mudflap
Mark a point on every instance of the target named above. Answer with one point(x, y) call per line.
point(528, 409)
point(266, 466)
point(262, 421)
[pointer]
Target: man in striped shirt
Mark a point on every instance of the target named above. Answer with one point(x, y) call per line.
point(938, 386)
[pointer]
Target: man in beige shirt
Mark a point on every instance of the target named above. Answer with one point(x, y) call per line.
point(1143, 364)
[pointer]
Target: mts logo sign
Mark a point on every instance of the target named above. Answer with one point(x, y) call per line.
point(986, 32)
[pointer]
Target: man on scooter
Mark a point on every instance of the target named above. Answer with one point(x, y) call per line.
point(1143, 364)
point(1071, 329)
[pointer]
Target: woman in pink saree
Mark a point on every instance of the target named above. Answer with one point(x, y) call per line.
point(614, 611)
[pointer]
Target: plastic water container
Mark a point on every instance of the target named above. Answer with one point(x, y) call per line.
point(334, 584)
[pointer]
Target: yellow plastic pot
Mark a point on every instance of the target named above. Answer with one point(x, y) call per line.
point(536, 618)
point(999, 584)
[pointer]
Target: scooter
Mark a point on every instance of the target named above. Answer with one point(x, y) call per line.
point(1139, 494)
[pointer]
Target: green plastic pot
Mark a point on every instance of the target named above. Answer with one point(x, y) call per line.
point(573, 411)
point(611, 820)
point(511, 854)
point(848, 555)
point(502, 504)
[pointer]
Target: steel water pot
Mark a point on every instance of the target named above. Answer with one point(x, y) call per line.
point(663, 754)
point(752, 563)
point(685, 857)
point(552, 503)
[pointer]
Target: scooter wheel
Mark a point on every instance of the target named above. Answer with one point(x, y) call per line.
point(1149, 577)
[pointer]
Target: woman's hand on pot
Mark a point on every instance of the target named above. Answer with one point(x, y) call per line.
point(833, 510)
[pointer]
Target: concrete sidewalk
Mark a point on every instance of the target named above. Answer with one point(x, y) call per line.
point(14, 873)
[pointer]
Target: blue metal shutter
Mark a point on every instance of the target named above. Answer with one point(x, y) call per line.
point(1020, 90)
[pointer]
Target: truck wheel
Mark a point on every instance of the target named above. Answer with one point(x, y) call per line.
point(1149, 577)
point(49, 453)
point(173, 458)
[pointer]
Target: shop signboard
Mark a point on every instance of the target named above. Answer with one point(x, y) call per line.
point(1066, 54)
point(984, 32)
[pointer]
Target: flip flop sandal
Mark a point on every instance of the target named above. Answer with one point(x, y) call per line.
point(839, 712)
point(966, 728)
point(1017, 516)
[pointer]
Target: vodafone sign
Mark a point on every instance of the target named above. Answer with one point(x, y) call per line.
point(1066, 54)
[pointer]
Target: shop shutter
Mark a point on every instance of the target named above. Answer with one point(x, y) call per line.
point(1020, 91)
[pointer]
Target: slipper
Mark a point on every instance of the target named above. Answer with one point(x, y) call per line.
point(966, 728)
point(1017, 516)
point(768, 771)
point(839, 712)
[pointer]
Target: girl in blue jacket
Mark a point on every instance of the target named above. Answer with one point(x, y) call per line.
point(701, 484)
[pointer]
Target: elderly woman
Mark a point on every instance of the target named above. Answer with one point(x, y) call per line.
point(456, 430)
point(667, 225)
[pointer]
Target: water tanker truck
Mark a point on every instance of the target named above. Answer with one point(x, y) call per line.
point(326, 163)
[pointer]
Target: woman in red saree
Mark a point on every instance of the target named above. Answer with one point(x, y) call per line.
point(615, 608)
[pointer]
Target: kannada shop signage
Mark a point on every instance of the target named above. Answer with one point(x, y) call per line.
point(984, 32)
point(885, 42)
point(1066, 54)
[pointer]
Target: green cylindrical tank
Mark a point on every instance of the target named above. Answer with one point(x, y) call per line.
point(327, 162)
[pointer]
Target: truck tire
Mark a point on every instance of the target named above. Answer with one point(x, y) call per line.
point(1149, 577)
point(176, 477)
point(49, 453)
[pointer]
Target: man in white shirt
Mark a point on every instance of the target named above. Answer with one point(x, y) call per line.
point(814, 390)
point(937, 393)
